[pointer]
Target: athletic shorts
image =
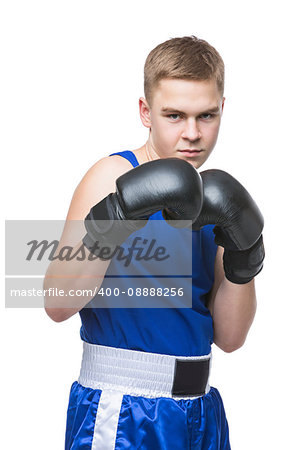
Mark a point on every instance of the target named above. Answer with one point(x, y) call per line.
point(119, 417)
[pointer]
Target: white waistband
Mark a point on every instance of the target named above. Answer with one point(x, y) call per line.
point(129, 371)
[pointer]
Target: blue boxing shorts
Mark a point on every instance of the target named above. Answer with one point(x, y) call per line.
point(127, 399)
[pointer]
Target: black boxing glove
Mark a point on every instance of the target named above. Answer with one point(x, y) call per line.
point(171, 185)
point(239, 224)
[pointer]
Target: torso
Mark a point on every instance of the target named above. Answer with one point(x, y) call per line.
point(152, 329)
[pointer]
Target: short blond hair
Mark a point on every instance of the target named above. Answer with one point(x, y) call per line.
point(186, 58)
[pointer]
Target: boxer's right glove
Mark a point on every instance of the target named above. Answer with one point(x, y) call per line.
point(239, 225)
point(171, 185)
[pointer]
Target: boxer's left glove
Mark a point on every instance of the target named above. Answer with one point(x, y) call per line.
point(239, 224)
point(171, 185)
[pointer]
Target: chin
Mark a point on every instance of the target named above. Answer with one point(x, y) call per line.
point(194, 162)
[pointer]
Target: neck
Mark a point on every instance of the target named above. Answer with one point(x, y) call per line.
point(151, 155)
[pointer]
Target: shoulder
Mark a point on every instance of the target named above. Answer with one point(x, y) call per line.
point(110, 167)
point(96, 184)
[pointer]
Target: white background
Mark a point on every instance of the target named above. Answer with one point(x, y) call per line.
point(71, 76)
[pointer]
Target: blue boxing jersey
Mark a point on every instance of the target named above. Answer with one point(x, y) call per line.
point(179, 331)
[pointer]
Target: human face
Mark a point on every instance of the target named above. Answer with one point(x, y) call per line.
point(184, 119)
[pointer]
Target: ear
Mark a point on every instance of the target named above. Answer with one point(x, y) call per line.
point(223, 101)
point(145, 112)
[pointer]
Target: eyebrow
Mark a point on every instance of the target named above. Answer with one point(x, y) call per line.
point(167, 109)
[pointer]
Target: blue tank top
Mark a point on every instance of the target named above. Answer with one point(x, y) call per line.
point(179, 331)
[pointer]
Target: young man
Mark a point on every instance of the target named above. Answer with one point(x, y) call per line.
point(144, 377)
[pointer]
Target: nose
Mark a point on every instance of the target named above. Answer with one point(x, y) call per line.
point(191, 130)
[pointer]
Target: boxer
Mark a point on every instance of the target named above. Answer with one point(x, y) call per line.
point(144, 378)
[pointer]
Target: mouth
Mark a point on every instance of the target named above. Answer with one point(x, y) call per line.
point(190, 152)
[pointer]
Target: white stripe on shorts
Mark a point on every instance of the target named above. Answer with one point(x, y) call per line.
point(107, 419)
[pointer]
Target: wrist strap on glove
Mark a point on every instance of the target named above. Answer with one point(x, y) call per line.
point(107, 228)
point(241, 266)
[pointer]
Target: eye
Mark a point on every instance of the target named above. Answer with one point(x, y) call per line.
point(174, 116)
point(206, 116)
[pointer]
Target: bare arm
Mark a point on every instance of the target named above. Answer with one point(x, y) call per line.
point(83, 275)
point(232, 307)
